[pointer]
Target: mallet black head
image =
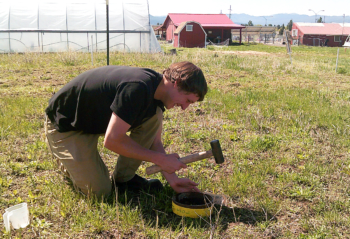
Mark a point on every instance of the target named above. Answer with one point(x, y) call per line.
point(217, 152)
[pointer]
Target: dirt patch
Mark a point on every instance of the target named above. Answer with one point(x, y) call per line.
point(243, 52)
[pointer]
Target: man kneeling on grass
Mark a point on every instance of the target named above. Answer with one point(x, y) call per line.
point(111, 101)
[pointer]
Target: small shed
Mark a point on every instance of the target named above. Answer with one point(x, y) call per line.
point(190, 34)
point(217, 26)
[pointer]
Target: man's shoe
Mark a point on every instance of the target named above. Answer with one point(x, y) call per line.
point(137, 184)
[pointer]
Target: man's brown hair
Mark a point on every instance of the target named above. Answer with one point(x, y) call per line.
point(189, 78)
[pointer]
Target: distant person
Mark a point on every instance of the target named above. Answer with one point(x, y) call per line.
point(326, 42)
point(112, 101)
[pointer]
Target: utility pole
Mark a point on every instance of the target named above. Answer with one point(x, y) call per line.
point(230, 12)
point(316, 13)
point(265, 19)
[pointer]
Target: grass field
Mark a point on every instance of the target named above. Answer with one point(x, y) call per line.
point(284, 129)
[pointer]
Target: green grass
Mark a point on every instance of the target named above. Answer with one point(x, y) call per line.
point(283, 128)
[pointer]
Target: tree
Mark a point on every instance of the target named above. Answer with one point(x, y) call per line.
point(289, 25)
point(270, 25)
point(319, 20)
point(281, 30)
point(278, 26)
point(250, 23)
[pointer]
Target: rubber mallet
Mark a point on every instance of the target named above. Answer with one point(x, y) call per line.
point(215, 151)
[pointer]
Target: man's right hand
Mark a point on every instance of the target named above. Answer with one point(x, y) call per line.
point(171, 163)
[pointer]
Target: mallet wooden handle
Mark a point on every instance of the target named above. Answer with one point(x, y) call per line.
point(188, 159)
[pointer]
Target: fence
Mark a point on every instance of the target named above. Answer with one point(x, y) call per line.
point(257, 34)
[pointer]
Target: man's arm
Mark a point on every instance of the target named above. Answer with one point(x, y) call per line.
point(118, 141)
point(179, 185)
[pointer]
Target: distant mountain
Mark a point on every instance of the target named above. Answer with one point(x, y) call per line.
point(277, 19)
point(157, 20)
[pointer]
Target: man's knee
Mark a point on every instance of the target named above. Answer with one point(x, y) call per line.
point(103, 191)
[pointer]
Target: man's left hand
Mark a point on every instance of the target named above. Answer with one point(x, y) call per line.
point(182, 185)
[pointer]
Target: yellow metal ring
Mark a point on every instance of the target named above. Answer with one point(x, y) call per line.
point(194, 211)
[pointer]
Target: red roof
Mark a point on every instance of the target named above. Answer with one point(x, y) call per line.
point(206, 20)
point(323, 28)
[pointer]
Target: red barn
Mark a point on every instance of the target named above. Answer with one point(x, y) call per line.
point(320, 34)
point(190, 34)
point(216, 26)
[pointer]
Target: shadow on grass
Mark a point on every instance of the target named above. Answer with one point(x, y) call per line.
point(156, 211)
point(157, 208)
point(236, 44)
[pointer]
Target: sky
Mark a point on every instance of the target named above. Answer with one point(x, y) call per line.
point(251, 7)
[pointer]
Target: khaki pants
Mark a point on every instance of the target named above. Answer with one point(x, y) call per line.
point(78, 154)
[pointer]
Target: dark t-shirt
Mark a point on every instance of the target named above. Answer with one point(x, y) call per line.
point(86, 103)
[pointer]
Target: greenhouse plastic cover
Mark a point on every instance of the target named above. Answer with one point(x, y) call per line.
point(75, 25)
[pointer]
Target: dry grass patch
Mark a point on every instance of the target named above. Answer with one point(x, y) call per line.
point(257, 53)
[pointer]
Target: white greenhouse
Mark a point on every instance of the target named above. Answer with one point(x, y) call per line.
point(76, 25)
